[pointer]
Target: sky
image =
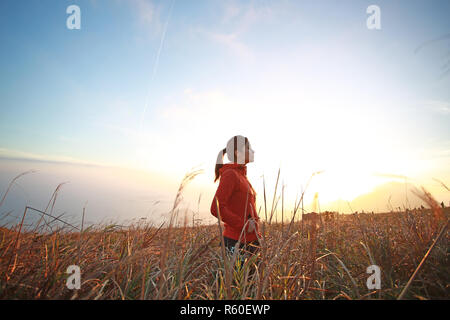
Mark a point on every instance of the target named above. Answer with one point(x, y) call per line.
point(158, 88)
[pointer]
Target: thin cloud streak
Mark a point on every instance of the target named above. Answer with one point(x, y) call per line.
point(9, 154)
point(155, 66)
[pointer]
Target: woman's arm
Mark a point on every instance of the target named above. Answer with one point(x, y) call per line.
point(223, 194)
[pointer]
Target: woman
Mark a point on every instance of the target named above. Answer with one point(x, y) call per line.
point(234, 201)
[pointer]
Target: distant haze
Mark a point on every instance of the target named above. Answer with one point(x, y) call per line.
point(122, 196)
point(109, 194)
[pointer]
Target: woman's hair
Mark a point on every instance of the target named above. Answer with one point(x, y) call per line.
point(233, 145)
point(219, 163)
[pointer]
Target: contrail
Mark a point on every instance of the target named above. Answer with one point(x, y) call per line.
point(426, 43)
point(155, 66)
point(445, 67)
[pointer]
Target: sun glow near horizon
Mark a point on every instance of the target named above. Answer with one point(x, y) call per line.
point(300, 136)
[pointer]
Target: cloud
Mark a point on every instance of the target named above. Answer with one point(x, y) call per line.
point(148, 16)
point(231, 11)
point(441, 107)
point(244, 15)
point(29, 156)
point(232, 43)
point(146, 10)
point(389, 175)
point(237, 20)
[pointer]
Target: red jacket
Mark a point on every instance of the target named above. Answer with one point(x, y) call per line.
point(232, 197)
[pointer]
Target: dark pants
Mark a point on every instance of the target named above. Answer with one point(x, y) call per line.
point(247, 250)
point(250, 247)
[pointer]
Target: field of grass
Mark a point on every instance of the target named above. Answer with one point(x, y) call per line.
point(322, 258)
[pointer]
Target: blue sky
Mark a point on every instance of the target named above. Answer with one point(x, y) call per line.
point(148, 87)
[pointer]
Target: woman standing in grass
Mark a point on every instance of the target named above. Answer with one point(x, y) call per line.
point(234, 201)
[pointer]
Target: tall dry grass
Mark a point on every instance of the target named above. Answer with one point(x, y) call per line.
point(324, 257)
